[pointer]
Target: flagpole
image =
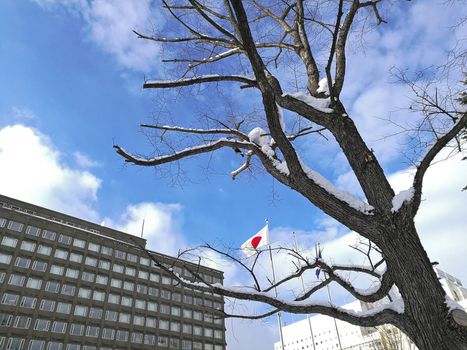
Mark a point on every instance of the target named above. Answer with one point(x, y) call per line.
point(303, 287)
point(330, 301)
point(279, 319)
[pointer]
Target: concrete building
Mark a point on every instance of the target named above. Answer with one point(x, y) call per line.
point(297, 336)
point(69, 284)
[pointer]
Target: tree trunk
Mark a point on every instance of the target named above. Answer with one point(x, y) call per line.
point(427, 319)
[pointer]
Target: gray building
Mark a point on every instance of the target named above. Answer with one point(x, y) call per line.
point(69, 284)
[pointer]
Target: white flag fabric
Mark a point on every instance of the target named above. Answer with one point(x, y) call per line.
point(251, 246)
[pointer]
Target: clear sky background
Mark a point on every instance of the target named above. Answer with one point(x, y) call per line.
point(71, 75)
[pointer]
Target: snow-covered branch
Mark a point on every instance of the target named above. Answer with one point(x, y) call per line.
point(162, 84)
point(197, 131)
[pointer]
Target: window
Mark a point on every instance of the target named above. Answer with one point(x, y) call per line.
point(162, 341)
point(34, 283)
point(33, 231)
point(61, 254)
point(65, 239)
point(144, 261)
point(165, 294)
point(2, 276)
point(14, 344)
point(95, 312)
point(39, 265)
point(59, 327)
point(72, 273)
point(10, 299)
point(138, 320)
point(149, 339)
point(28, 246)
point(127, 301)
point(208, 332)
point(81, 310)
point(92, 331)
point(122, 336)
point(153, 291)
point(9, 242)
point(77, 258)
point(23, 262)
point(63, 308)
point(140, 304)
point(93, 247)
point(111, 315)
point(48, 235)
point(52, 287)
point(87, 276)
point(128, 285)
point(130, 271)
point(47, 305)
point(90, 261)
point(5, 258)
point(208, 346)
point(137, 338)
point(44, 250)
point(117, 268)
point(197, 330)
point(79, 243)
point(154, 277)
point(132, 257)
point(76, 329)
point(119, 254)
point(175, 311)
point(2, 222)
point(54, 346)
point(116, 283)
point(28, 302)
point(166, 280)
point(198, 316)
point(218, 347)
point(36, 345)
point(16, 280)
point(198, 301)
point(108, 333)
point(151, 322)
point(187, 313)
point(73, 347)
point(101, 279)
point(113, 298)
point(84, 293)
point(186, 344)
point(5, 320)
point(188, 299)
point(15, 226)
point(163, 324)
point(176, 296)
point(152, 306)
point(174, 343)
point(68, 289)
point(106, 250)
point(175, 326)
point(142, 289)
point(197, 345)
point(124, 318)
point(22, 322)
point(98, 295)
point(217, 334)
point(57, 270)
point(187, 328)
point(104, 264)
point(165, 309)
point(89, 347)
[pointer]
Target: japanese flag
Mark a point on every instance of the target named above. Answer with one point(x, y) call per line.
point(251, 246)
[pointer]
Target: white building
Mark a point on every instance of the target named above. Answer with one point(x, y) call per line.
point(330, 334)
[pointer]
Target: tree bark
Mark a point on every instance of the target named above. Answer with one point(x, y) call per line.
point(427, 320)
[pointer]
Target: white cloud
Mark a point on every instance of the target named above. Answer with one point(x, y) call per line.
point(34, 171)
point(109, 25)
point(83, 161)
point(162, 225)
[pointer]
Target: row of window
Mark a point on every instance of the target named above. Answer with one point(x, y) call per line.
point(162, 341)
point(24, 322)
point(94, 247)
point(91, 261)
point(87, 276)
point(12, 299)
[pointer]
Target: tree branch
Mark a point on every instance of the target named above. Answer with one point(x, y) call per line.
point(161, 84)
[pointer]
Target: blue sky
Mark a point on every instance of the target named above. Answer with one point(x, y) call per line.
point(71, 75)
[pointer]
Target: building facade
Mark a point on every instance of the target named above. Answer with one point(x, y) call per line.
point(69, 284)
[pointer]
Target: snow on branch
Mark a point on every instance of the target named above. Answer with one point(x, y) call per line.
point(162, 84)
point(196, 131)
point(191, 151)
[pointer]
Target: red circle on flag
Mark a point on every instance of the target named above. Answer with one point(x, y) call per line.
point(255, 241)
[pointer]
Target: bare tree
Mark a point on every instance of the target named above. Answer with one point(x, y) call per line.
point(246, 42)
